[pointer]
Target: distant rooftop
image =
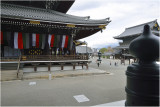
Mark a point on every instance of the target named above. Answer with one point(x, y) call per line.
point(137, 30)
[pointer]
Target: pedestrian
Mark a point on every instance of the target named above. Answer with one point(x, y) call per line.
point(98, 64)
point(115, 63)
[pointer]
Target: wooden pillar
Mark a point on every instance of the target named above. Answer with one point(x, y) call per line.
point(55, 51)
point(61, 67)
point(51, 51)
point(35, 68)
point(86, 65)
point(49, 67)
point(74, 67)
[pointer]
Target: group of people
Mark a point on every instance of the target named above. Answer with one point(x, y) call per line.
point(116, 63)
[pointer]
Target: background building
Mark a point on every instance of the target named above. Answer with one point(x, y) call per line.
point(83, 50)
point(131, 33)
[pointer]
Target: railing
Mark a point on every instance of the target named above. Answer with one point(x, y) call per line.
point(46, 58)
point(10, 58)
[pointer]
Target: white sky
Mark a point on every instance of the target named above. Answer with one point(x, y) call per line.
point(122, 13)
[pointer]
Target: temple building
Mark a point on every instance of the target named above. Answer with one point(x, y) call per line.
point(42, 31)
point(131, 33)
point(39, 27)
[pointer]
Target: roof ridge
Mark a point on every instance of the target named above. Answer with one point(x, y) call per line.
point(141, 24)
point(15, 5)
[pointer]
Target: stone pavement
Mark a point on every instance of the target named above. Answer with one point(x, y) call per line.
point(8, 75)
point(116, 103)
point(99, 89)
point(101, 85)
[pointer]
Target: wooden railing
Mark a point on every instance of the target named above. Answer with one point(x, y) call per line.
point(54, 57)
point(45, 58)
point(10, 58)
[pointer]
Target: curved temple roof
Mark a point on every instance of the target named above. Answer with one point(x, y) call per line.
point(57, 5)
point(46, 15)
point(137, 30)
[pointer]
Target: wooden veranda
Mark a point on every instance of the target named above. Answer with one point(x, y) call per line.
point(49, 60)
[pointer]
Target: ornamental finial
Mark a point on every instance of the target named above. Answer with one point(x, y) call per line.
point(146, 46)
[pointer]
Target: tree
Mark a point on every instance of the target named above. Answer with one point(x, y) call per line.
point(102, 50)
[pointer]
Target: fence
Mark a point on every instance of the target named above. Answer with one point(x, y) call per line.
point(45, 58)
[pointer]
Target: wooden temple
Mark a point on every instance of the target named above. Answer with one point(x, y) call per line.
point(131, 33)
point(41, 32)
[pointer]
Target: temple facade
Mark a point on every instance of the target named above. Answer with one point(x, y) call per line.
point(43, 28)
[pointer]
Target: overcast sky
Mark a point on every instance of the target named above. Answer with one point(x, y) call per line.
point(122, 13)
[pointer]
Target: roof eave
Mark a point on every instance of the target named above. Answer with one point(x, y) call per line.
point(29, 19)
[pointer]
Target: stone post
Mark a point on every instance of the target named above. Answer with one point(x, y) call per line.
point(142, 87)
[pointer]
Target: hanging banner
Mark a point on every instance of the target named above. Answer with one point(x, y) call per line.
point(66, 42)
point(60, 41)
point(36, 40)
point(69, 40)
point(26, 40)
point(1, 41)
point(12, 40)
point(33, 39)
point(52, 41)
point(18, 41)
point(63, 41)
point(43, 41)
point(55, 41)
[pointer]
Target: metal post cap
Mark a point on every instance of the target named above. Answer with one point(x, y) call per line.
point(146, 46)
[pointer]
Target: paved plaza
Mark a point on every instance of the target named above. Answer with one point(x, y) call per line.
point(98, 89)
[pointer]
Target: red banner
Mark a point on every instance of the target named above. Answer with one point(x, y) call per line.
point(37, 40)
point(1, 42)
point(52, 41)
point(66, 42)
point(20, 41)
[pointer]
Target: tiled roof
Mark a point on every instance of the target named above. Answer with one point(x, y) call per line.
point(116, 51)
point(82, 49)
point(24, 12)
point(57, 5)
point(136, 30)
point(122, 47)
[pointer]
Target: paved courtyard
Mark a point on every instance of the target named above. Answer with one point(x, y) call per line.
point(98, 89)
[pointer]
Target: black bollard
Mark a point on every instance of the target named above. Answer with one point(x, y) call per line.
point(142, 87)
